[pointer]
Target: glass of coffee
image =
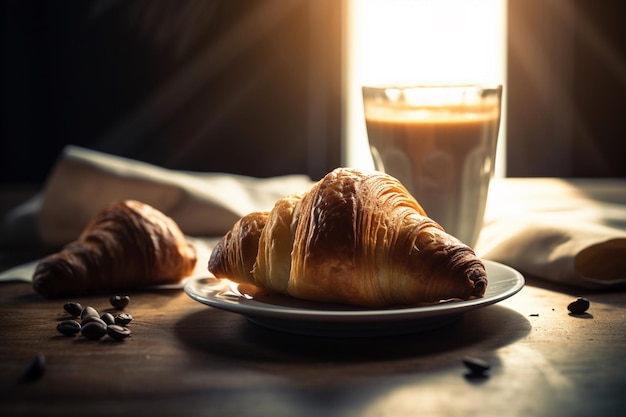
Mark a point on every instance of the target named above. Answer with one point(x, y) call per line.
point(440, 142)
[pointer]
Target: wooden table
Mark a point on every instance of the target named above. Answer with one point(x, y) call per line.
point(185, 358)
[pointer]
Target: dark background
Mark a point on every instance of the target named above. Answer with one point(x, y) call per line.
point(251, 87)
point(255, 87)
point(566, 88)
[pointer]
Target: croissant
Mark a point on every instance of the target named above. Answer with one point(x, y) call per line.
point(127, 245)
point(354, 237)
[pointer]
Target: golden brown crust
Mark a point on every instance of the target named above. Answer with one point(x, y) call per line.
point(127, 245)
point(360, 238)
point(237, 250)
point(272, 264)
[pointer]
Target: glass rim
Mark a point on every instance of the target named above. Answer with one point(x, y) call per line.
point(442, 86)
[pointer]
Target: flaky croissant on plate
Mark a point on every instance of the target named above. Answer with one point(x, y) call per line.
point(127, 245)
point(354, 238)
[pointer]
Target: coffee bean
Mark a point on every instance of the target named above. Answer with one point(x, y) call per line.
point(108, 318)
point(119, 301)
point(89, 312)
point(93, 330)
point(35, 368)
point(123, 319)
point(69, 327)
point(118, 332)
point(579, 306)
point(73, 308)
point(475, 365)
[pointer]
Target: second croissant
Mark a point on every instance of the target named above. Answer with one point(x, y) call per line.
point(356, 238)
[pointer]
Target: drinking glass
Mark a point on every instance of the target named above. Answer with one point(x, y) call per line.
point(440, 142)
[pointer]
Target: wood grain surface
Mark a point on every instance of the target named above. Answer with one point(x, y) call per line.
point(184, 358)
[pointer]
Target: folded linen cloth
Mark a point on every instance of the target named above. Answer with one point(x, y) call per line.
point(570, 232)
point(202, 204)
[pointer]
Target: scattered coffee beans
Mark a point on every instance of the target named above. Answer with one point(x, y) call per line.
point(94, 326)
point(579, 306)
point(119, 301)
point(69, 327)
point(118, 332)
point(73, 308)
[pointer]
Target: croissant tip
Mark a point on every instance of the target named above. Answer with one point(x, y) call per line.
point(478, 276)
point(215, 260)
point(479, 289)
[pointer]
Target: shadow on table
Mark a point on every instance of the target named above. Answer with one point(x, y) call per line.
point(224, 334)
point(569, 289)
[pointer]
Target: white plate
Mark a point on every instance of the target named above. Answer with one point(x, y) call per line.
point(309, 318)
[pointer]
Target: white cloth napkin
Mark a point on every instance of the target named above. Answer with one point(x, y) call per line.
point(202, 204)
point(571, 232)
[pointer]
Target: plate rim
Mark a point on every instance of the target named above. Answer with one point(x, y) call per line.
point(251, 308)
